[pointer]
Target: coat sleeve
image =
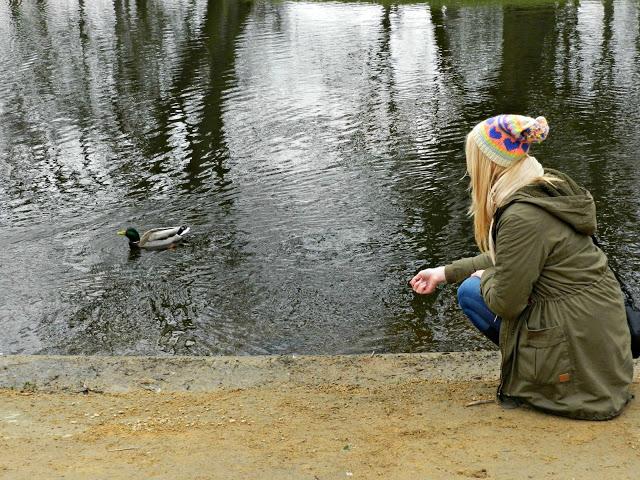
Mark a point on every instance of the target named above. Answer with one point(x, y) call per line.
point(461, 269)
point(521, 253)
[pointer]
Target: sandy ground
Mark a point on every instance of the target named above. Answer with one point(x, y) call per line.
point(395, 417)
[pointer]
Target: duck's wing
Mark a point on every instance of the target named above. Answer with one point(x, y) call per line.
point(163, 237)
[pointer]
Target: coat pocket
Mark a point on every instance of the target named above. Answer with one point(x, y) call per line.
point(543, 356)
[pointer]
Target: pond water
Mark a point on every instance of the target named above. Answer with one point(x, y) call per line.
point(314, 148)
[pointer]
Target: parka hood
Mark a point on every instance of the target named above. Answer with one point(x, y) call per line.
point(565, 200)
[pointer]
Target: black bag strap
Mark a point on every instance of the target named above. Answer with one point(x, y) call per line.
point(623, 286)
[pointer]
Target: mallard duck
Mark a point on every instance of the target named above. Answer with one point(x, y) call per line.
point(156, 238)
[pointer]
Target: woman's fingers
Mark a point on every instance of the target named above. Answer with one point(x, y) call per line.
point(417, 282)
point(477, 273)
point(426, 281)
point(423, 286)
point(429, 287)
point(417, 278)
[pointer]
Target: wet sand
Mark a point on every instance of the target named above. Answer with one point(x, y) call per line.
point(391, 416)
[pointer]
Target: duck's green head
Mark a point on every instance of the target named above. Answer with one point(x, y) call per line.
point(131, 233)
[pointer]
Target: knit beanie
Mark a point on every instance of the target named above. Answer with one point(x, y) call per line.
point(506, 139)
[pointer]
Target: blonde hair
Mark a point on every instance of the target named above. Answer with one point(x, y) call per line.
point(491, 184)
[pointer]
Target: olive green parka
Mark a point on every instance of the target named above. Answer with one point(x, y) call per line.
point(564, 339)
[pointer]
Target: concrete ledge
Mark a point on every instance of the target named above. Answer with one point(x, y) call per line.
point(175, 374)
point(203, 374)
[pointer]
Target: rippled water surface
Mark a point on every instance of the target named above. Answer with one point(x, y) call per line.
point(315, 149)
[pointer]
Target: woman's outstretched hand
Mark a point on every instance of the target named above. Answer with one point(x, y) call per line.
point(427, 280)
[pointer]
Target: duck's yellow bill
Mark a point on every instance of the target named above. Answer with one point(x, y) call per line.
point(122, 232)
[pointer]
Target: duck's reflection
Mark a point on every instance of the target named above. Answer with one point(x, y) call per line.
point(134, 254)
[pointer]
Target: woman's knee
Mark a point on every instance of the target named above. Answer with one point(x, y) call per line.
point(469, 292)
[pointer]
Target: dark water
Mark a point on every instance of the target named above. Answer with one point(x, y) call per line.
point(315, 149)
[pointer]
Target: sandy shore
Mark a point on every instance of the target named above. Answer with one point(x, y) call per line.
point(339, 417)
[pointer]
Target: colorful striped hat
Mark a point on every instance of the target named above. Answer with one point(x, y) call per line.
point(506, 139)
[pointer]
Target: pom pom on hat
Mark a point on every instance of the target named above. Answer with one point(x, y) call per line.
point(506, 139)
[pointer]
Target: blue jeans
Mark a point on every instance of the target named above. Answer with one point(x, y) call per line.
point(472, 304)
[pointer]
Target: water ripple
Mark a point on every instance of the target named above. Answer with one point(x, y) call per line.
point(315, 148)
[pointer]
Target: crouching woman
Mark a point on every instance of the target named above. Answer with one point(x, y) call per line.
point(541, 289)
